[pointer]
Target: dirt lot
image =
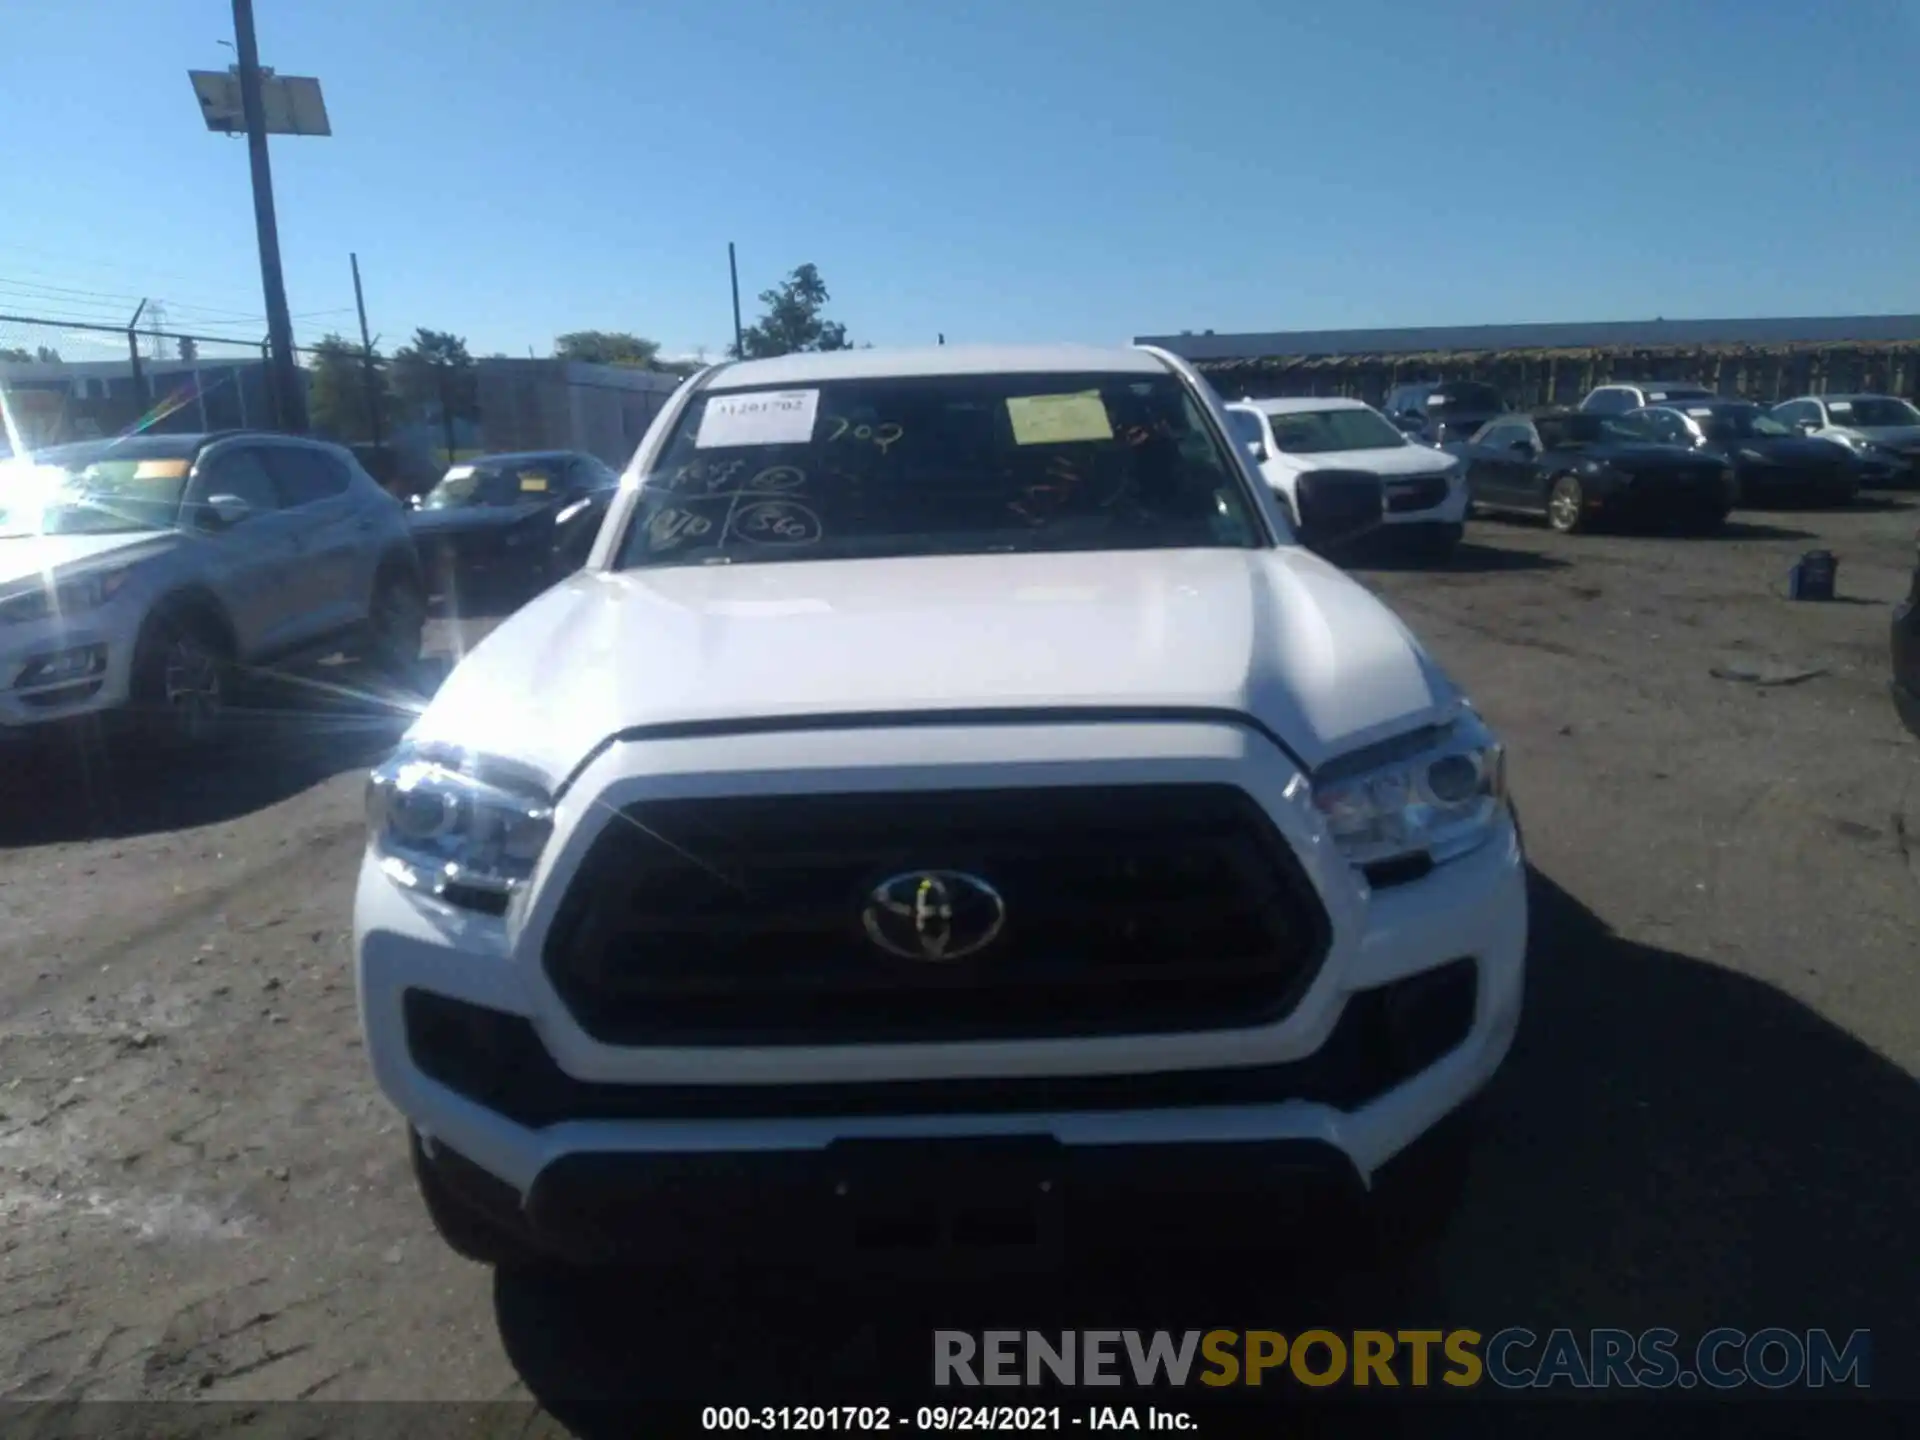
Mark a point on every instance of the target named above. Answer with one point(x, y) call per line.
point(1711, 1117)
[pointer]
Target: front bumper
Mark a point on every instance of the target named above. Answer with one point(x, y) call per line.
point(1657, 497)
point(472, 562)
point(854, 1204)
point(574, 1111)
point(1762, 482)
point(98, 656)
point(1892, 470)
point(1451, 509)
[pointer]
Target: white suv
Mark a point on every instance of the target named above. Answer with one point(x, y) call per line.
point(1426, 492)
point(139, 574)
point(949, 811)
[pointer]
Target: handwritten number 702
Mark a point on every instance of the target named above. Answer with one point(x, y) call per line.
point(880, 436)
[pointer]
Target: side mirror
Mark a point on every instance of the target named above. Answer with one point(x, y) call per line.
point(1338, 507)
point(1521, 447)
point(574, 510)
point(1258, 451)
point(1806, 427)
point(414, 501)
point(227, 511)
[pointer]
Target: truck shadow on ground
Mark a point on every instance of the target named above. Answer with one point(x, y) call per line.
point(1672, 1144)
point(284, 734)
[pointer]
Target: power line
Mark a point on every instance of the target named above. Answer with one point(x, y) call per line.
point(69, 263)
point(126, 303)
point(108, 297)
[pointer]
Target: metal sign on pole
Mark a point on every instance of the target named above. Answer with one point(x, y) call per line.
point(259, 102)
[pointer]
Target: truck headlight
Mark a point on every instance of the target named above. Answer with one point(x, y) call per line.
point(64, 597)
point(445, 822)
point(1442, 798)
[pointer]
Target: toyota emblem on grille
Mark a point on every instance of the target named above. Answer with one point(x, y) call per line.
point(933, 915)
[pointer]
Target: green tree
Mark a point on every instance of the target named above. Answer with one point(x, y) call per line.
point(13, 354)
point(189, 348)
point(47, 355)
point(433, 372)
point(792, 320)
point(606, 347)
point(338, 393)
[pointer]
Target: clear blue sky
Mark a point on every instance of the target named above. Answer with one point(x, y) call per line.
point(994, 169)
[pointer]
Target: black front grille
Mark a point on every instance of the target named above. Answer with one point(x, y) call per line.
point(1127, 910)
point(1416, 492)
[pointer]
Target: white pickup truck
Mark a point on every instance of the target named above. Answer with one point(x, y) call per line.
point(949, 813)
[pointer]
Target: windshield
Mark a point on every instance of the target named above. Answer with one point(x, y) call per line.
point(950, 465)
point(1317, 432)
point(1874, 411)
point(1742, 422)
point(95, 491)
point(1467, 398)
point(495, 483)
point(1571, 432)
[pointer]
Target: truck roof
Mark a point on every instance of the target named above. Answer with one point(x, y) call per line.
point(815, 367)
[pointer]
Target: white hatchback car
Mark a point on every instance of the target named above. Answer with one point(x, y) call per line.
point(1426, 493)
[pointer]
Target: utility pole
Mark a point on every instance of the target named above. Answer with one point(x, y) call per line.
point(733, 269)
point(372, 381)
point(291, 406)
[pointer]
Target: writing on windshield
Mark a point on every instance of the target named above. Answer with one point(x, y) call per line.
point(940, 465)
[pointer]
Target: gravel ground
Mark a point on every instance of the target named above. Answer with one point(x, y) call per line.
point(1711, 1117)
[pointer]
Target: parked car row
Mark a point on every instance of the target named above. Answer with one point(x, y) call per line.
point(1668, 452)
point(142, 577)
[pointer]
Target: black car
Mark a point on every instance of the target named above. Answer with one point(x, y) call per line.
point(1906, 656)
point(511, 522)
point(1575, 468)
point(1770, 460)
point(1443, 412)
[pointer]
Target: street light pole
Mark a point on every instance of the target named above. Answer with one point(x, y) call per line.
point(284, 376)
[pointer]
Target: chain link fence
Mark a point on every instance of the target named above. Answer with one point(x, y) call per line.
point(408, 416)
point(66, 380)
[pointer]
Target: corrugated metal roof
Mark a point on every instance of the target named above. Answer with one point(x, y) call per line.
point(1590, 335)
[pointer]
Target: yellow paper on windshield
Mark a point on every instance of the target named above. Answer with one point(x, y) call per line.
point(1058, 419)
point(160, 469)
point(532, 481)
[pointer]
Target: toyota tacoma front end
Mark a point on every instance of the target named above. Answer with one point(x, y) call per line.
point(949, 812)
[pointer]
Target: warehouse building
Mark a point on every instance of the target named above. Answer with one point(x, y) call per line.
point(1764, 360)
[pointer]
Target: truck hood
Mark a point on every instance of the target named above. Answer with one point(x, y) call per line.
point(1280, 635)
point(25, 556)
